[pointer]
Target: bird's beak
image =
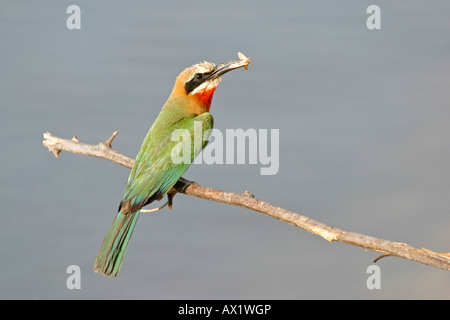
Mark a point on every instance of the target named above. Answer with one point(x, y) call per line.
point(225, 67)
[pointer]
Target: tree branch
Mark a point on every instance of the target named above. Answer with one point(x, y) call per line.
point(247, 200)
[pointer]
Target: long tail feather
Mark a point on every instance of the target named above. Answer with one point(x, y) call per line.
point(110, 256)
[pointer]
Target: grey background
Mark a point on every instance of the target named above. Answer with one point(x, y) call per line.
point(364, 126)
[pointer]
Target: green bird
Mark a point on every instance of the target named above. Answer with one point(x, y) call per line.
point(154, 172)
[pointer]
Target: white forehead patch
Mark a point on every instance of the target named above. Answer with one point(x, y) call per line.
point(204, 66)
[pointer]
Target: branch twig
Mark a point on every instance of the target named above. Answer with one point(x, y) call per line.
point(247, 200)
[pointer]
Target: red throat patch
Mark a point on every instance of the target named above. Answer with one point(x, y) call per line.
point(205, 97)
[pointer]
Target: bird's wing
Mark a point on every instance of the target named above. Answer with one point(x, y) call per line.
point(154, 173)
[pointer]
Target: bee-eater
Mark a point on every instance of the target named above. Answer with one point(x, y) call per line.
point(154, 173)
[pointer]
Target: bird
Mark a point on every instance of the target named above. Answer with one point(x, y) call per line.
point(154, 172)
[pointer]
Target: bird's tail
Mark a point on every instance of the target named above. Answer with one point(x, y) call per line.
point(110, 256)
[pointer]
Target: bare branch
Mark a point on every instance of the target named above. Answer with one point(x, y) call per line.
point(102, 150)
point(248, 200)
point(109, 141)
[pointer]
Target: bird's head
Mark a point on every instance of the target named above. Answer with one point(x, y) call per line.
point(198, 83)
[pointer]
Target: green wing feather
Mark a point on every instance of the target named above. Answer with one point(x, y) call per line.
point(153, 175)
point(154, 172)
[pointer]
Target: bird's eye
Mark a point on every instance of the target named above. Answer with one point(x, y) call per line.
point(198, 76)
